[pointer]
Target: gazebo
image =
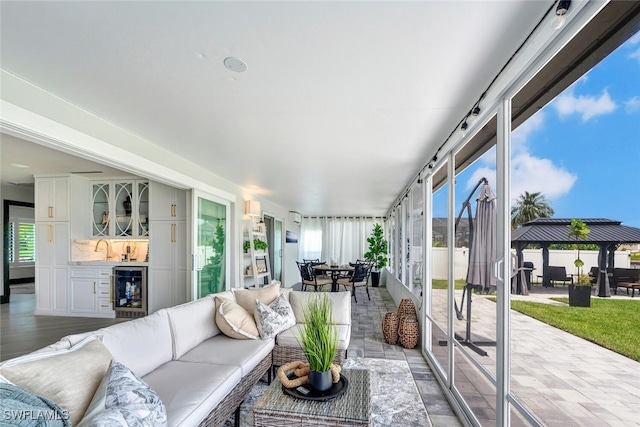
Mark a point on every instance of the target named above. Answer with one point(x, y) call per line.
point(605, 233)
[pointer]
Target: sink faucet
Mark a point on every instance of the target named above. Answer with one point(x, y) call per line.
point(108, 247)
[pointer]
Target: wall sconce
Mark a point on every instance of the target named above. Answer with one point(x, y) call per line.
point(252, 208)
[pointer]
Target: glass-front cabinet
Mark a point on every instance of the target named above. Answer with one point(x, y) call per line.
point(120, 209)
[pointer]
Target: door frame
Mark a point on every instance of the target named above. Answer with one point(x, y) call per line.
point(193, 234)
point(4, 299)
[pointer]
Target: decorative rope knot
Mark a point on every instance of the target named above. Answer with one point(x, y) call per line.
point(301, 370)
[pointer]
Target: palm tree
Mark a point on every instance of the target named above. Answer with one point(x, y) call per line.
point(528, 207)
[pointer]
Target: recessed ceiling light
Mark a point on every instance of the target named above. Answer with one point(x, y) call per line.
point(19, 165)
point(235, 64)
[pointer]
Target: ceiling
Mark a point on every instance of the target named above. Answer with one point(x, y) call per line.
point(340, 107)
point(20, 160)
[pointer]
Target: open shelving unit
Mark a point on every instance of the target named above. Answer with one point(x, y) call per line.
point(258, 265)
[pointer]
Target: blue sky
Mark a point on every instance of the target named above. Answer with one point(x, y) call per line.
point(582, 150)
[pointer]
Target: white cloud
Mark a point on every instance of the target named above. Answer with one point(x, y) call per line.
point(632, 105)
point(588, 106)
point(528, 172)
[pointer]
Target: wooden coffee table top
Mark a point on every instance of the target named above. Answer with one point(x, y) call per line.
point(275, 408)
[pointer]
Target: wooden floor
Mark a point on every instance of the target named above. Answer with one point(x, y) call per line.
point(21, 332)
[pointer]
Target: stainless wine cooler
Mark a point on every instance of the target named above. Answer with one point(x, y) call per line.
point(130, 291)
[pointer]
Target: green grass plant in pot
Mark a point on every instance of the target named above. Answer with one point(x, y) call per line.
point(319, 341)
point(580, 290)
point(377, 253)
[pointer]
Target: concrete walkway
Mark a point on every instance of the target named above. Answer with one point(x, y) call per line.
point(560, 378)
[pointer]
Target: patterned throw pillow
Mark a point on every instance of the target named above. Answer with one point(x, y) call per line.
point(124, 400)
point(274, 318)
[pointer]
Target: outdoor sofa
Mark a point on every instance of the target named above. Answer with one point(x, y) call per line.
point(200, 375)
point(628, 278)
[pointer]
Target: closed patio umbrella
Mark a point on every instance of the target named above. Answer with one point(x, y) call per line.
point(482, 253)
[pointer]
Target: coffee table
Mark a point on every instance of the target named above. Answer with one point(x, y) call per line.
point(353, 408)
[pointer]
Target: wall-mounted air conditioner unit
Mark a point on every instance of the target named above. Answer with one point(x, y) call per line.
point(295, 217)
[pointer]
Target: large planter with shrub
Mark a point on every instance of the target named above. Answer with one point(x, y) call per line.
point(580, 295)
point(377, 253)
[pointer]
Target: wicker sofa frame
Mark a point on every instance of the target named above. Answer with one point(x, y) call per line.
point(232, 401)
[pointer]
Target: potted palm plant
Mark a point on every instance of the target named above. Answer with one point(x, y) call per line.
point(377, 253)
point(319, 342)
point(580, 290)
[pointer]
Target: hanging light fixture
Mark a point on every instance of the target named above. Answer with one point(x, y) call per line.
point(561, 11)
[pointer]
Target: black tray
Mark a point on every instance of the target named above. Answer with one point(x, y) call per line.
point(337, 389)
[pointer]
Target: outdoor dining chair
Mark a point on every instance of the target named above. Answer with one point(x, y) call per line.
point(309, 277)
point(359, 278)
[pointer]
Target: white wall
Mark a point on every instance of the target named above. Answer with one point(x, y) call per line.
point(556, 257)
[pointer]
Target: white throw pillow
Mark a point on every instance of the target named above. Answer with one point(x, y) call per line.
point(67, 377)
point(247, 297)
point(274, 318)
point(124, 400)
point(234, 321)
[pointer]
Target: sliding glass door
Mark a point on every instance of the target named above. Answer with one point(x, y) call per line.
point(210, 244)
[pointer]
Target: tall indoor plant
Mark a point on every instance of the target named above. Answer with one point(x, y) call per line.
point(377, 253)
point(580, 290)
point(319, 341)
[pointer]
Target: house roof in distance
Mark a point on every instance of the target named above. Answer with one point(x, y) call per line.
point(554, 230)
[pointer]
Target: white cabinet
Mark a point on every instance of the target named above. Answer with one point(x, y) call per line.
point(168, 280)
point(90, 290)
point(120, 208)
point(52, 257)
point(52, 198)
point(167, 203)
point(167, 265)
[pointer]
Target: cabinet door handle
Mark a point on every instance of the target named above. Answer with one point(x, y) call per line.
point(173, 233)
point(50, 211)
point(173, 210)
point(95, 291)
point(50, 233)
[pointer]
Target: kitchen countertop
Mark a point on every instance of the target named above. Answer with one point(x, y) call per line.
point(107, 264)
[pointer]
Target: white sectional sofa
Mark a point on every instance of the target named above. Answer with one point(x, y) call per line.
point(200, 374)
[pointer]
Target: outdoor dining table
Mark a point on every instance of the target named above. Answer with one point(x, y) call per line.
point(336, 272)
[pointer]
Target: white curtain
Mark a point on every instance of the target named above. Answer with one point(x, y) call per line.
point(339, 239)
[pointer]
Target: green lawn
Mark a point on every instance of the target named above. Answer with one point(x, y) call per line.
point(442, 284)
point(613, 324)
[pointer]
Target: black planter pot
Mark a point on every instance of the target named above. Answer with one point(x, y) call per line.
point(320, 381)
point(375, 279)
point(579, 296)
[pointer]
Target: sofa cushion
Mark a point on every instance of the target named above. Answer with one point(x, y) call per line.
point(192, 323)
point(67, 377)
point(191, 390)
point(228, 351)
point(273, 318)
point(234, 321)
point(341, 302)
point(289, 338)
point(124, 400)
point(247, 297)
point(142, 344)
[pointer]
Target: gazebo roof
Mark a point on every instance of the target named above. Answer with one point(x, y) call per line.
point(554, 230)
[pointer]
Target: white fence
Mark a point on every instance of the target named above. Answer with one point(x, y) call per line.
point(556, 257)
